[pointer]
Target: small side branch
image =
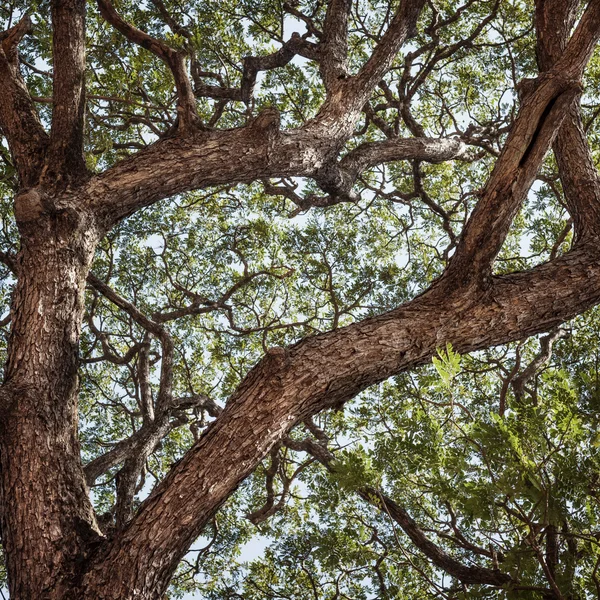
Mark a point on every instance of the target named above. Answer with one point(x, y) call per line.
point(544, 355)
point(254, 64)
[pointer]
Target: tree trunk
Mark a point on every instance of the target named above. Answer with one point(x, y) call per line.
point(47, 523)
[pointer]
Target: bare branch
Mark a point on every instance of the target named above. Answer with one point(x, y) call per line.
point(540, 116)
point(166, 372)
point(544, 355)
point(149, 435)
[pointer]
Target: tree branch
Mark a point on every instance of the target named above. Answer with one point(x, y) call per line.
point(375, 497)
point(166, 371)
point(186, 104)
point(256, 151)
point(19, 120)
point(338, 179)
point(334, 44)
point(542, 113)
point(578, 173)
point(326, 370)
point(544, 355)
point(253, 64)
point(402, 27)
point(65, 158)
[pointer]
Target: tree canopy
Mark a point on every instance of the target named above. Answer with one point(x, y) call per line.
point(315, 277)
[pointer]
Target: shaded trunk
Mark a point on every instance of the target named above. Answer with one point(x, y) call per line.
point(47, 522)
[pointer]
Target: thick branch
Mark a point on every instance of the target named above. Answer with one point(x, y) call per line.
point(530, 138)
point(334, 54)
point(256, 151)
point(578, 173)
point(19, 120)
point(542, 113)
point(338, 179)
point(66, 161)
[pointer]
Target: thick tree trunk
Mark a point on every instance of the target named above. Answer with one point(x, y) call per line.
point(47, 521)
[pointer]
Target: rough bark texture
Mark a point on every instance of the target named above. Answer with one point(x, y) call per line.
point(54, 548)
point(47, 521)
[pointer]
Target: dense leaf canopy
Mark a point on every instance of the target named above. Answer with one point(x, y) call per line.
point(485, 461)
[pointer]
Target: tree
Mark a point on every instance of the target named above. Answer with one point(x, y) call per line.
point(382, 123)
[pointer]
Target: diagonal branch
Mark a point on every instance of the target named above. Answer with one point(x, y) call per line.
point(542, 113)
point(530, 138)
point(65, 159)
point(323, 371)
point(466, 574)
point(186, 103)
point(19, 120)
point(148, 436)
point(578, 173)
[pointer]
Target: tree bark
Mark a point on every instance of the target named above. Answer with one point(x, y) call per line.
point(48, 524)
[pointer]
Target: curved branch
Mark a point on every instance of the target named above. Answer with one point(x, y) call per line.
point(296, 45)
point(338, 179)
point(19, 120)
point(186, 104)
